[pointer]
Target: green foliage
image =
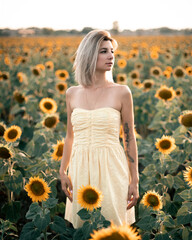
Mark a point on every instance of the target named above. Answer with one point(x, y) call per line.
point(32, 153)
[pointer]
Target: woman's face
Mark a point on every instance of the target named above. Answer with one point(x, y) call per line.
point(105, 59)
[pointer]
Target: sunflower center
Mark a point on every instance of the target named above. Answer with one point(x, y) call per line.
point(179, 73)
point(134, 75)
point(36, 72)
point(12, 134)
point(178, 92)
point(37, 188)
point(48, 105)
point(4, 153)
point(165, 144)
point(165, 94)
point(61, 87)
point(148, 85)
point(59, 152)
point(19, 97)
point(187, 120)
point(121, 79)
point(50, 122)
point(153, 200)
point(90, 196)
point(62, 75)
point(4, 76)
point(114, 236)
point(156, 72)
point(2, 130)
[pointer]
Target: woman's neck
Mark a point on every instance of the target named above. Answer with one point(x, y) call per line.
point(100, 79)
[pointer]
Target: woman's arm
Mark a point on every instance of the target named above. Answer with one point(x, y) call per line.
point(130, 145)
point(65, 180)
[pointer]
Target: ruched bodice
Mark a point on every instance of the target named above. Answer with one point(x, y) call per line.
point(95, 127)
point(98, 159)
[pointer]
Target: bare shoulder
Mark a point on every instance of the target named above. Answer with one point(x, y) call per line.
point(72, 90)
point(122, 90)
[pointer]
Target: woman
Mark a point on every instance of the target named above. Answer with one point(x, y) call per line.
point(95, 110)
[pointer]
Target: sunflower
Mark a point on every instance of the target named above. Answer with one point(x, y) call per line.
point(154, 55)
point(123, 232)
point(40, 66)
point(188, 175)
point(156, 71)
point(137, 83)
point(20, 76)
point(1, 77)
point(121, 63)
point(138, 66)
point(2, 129)
point(179, 72)
point(48, 105)
point(165, 144)
point(12, 133)
point(58, 152)
point(19, 97)
point(5, 152)
point(178, 92)
point(186, 118)
point(169, 68)
point(152, 199)
point(148, 84)
point(37, 189)
point(36, 71)
point(51, 121)
point(89, 197)
point(49, 65)
point(62, 74)
point(121, 78)
point(121, 131)
point(61, 87)
point(167, 74)
point(5, 75)
point(134, 74)
point(165, 93)
point(189, 71)
point(7, 60)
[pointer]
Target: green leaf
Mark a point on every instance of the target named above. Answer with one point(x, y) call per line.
point(168, 222)
point(185, 234)
point(84, 214)
point(12, 211)
point(78, 235)
point(34, 209)
point(186, 194)
point(188, 147)
point(168, 181)
point(87, 229)
point(159, 236)
point(3, 168)
point(58, 225)
point(147, 223)
point(41, 221)
point(29, 232)
point(15, 182)
point(50, 203)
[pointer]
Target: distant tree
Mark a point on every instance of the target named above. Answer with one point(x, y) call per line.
point(86, 30)
point(115, 29)
point(47, 31)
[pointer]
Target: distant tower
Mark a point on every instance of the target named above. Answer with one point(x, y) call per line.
point(115, 29)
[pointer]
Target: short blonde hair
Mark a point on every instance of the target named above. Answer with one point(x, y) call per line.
point(87, 53)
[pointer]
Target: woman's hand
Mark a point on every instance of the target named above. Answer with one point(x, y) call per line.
point(66, 186)
point(133, 195)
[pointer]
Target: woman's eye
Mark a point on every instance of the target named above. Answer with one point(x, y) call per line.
point(103, 51)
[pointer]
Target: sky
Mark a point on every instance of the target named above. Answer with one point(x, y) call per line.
point(100, 14)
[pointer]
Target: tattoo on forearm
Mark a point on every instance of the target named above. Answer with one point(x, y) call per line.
point(127, 136)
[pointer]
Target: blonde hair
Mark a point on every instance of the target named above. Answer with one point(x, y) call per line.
point(86, 55)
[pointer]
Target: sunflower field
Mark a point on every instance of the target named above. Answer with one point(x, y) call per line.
point(34, 76)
